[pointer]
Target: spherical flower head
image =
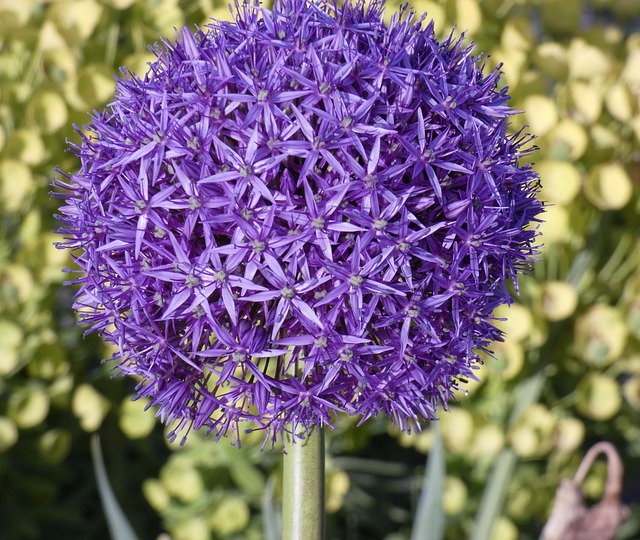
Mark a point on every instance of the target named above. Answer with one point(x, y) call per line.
point(300, 214)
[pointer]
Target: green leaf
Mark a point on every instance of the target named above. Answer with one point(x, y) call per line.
point(271, 517)
point(429, 520)
point(496, 489)
point(493, 495)
point(247, 477)
point(119, 526)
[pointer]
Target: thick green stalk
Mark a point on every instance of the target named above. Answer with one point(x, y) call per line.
point(303, 489)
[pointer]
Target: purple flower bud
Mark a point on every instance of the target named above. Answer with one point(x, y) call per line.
point(301, 213)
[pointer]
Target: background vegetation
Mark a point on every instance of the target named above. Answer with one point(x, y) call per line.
point(573, 65)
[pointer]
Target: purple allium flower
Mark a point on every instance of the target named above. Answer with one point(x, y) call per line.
point(301, 213)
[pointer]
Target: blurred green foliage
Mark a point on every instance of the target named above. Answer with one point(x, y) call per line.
point(572, 65)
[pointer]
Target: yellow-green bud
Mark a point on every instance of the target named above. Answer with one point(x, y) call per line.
point(338, 485)
point(95, 85)
point(600, 335)
point(586, 101)
point(555, 227)
point(518, 323)
point(514, 63)
point(454, 498)
point(28, 406)
point(436, 10)
point(467, 14)
point(524, 440)
point(49, 111)
point(558, 300)
point(509, 359)
point(14, 14)
point(89, 407)
point(54, 446)
point(156, 495)
point(586, 61)
point(30, 228)
point(10, 334)
point(560, 181)
point(568, 140)
point(517, 34)
point(139, 62)
point(504, 529)
point(541, 114)
point(551, 59)
point(182, 480)
point(569, 434)
point(533, 431)
point(631, 71)
point(168, 15)
point(53, 259)
point(593, 485)
point(599, 397)
point(8, 433)
point(193, 528)
point(20, 280)
point(16, 184)
point(604, 143)
point(618, 102)
point(9, 360)
point(60, 64)
point(60, 391)
point(608, 186)
point(26, 145)
point(134, 421)
point(631, 391)
point(520, 502)
point(229, 516)
point(457, 429)
point(48, 362)
point(488, 440)
point(423, 441)
point(76, 20)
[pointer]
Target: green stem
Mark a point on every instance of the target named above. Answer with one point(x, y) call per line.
point(303, 489)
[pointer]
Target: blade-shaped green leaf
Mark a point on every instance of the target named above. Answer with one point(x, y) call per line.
point(496, 488)
point(270, 516)
point(429, 520)
point(119, 526)
point(494, 494)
